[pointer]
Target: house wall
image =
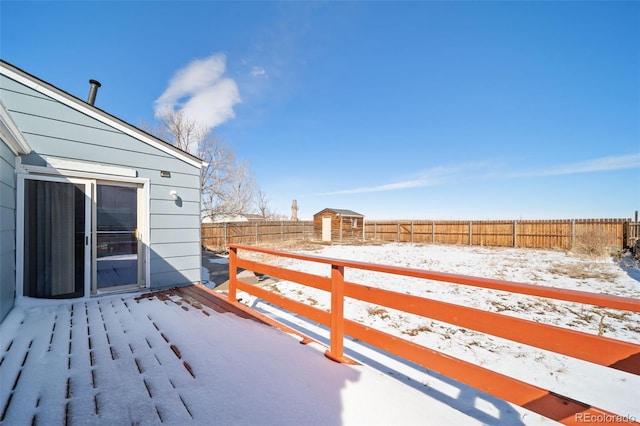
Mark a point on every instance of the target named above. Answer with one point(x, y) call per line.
point(55, 129)
point(7, 229)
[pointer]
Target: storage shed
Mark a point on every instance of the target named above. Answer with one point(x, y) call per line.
point(89, 204)
point(338, 225)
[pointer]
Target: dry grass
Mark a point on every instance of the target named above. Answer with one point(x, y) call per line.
point(499, 306)
point(417, 330)
point(376, 311)
point(293, 245)
point(584, 271)
point(273, 288)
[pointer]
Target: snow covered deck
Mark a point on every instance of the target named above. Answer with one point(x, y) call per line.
point(166, 358)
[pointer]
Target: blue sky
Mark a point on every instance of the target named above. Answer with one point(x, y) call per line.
point(416, 110)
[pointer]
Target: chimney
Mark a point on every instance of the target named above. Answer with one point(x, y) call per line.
point(294, 210)
point(93, 91)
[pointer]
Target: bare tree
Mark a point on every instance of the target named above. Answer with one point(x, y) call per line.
point(262, 203)
point(226, 185)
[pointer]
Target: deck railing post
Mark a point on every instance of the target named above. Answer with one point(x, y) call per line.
point(233, 273)
point(336, 348)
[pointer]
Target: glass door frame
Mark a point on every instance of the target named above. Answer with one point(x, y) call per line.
point(140, 196)
point(20, 227)
point(90, 181)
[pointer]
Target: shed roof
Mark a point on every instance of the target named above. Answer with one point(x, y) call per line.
point(33, 82)
point(341, 212)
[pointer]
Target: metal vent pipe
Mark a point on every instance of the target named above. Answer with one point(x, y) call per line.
point(93, 91)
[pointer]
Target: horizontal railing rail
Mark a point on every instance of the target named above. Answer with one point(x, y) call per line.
point(611, 353)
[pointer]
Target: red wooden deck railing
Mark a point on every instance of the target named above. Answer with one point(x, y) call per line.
point(615, 354)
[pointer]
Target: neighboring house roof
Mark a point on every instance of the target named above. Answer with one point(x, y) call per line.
point(71, 101)
point(241, 217)
point(11, 133)
point(341, 212)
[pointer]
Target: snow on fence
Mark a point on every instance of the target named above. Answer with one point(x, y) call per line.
point(611, 353)
point(561, 234)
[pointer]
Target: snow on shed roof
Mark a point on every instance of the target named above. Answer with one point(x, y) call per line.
point(341, 212)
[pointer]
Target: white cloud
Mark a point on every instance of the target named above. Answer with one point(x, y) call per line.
point(201, 92)
point(620, 162)
point(257, 71)
point(431, 177)
point(488, 171)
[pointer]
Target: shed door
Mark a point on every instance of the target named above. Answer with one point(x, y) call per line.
point(326, 228)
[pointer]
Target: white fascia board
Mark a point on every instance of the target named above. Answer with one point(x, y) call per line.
point(11, 133)
point(27, 169)
point(64, 164)
point(93, 112)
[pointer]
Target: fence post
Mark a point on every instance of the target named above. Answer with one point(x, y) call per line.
point(336, 348)
point(515, 233)
point(411, 232)
point(256, 233)
point(225, 235)
point(398, 232)
point(573, 233)
point(233, 271)
point(375, 230)
point(282, 230)
point(470, 233)
point(433, 232)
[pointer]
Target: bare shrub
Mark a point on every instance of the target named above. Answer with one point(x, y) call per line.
point(594, 243)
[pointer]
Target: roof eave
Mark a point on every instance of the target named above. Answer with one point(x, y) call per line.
point(60, 95)
point(11, 133)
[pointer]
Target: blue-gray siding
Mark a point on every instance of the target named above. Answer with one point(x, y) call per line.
point(54, 129)
point(7, 229)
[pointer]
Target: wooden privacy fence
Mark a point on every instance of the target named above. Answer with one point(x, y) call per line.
point(220, 235)
point(611, 353)
point(546, 234)
point(561, 234)
point(633, 233)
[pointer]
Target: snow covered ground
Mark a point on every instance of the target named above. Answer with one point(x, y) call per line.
point(602, 387)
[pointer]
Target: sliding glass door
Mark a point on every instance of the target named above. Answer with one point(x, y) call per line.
point(56, 238)
point(79, 237)
point(117, 251)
